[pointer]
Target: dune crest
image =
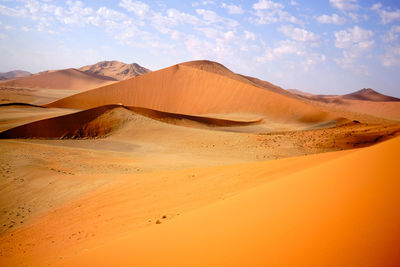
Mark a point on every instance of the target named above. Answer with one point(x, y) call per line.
point(100, 121)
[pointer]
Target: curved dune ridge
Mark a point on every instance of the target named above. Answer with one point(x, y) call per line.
point(196, 88)
point(333, 213)
point(100, 121)
point(68, 79)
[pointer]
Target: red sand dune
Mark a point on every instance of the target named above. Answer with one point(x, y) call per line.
point(200, 87)
point(343, 212)
point(70, 79)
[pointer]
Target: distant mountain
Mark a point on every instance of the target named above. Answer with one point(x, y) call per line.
point(67, 79)
point(369, 94)
point(115, 69)
point(14, 74)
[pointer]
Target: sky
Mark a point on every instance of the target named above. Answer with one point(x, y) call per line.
point(322, 47)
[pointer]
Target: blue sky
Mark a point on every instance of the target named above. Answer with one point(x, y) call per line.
point(330, 47)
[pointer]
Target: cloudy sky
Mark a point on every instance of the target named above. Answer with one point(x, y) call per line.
point(325, 46)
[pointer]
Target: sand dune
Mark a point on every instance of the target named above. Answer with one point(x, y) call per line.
point(332, 214)
point(14, 74)
point(365, 101)
point(70, 79)
point(102, 120)
point(370, 95)
point(191, 90)
point(115, 69)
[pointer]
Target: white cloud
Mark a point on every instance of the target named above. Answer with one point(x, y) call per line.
point(203, 3)
point(356, 17)
point(392, 56)
point(249, 35)
point(137, 7)
point(9, 28)
point(386, 16)
point(181, 17)
point(355, 37)
point(389, 16)
point(299, 34)
point(267, 12)
point(349, 61)
point(210, 17)
point(344, 4)
point(266, 4)
point(376, 6)
point(392, 35)
point(333, 19)
point(294, 3)
point(232, 9)
point(282, 48)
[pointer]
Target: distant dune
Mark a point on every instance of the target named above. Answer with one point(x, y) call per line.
point(369, 95)
point(115, 69)
point(365, 101)
point(198, 87)
point(14, 74)
point(70, 79)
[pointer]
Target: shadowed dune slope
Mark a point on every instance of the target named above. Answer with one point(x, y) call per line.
point(70, 79)
point(343, 212)
point(100, 121)
point(88, 123)
point(186, 89)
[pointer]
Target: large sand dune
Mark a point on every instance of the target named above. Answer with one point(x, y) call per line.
point(189, 89)
point(68, 79)
point(343, 212)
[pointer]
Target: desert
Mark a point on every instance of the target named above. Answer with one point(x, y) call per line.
point(194, 163)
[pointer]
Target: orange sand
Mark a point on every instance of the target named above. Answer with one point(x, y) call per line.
point(343, 212)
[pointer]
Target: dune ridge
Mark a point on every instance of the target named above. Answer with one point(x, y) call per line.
point(100, 121)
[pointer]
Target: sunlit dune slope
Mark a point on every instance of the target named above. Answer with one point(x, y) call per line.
point(186, 89)
point(343, 212)
point(100, 121)
point(71, 79)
